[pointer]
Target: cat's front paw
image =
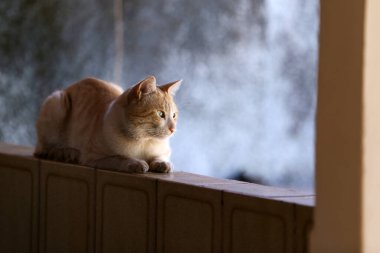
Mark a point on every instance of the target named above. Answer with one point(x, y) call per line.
point(138, 166)
point(120, 163)
point(160, 166)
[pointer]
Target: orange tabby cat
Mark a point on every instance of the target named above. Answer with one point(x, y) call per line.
point(95, 123)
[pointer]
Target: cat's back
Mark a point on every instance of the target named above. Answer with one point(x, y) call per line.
point(73, 116)
point(87, 102)
point(91, 95)
point(93, 89)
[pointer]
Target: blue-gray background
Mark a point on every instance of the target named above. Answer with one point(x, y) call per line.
point(249, 68)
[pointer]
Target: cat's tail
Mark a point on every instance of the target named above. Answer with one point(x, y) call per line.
point(50, 123)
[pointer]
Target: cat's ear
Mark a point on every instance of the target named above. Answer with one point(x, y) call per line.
point(146, 86)
point(172, 87)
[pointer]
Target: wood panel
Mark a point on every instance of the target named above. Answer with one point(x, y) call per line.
point(66, 208)
point(18, 204)
point(189, 219)
point(125, 213)
point(257, 225)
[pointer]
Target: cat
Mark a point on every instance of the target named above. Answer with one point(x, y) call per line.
point(95, 123)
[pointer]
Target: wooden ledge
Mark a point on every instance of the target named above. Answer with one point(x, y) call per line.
point(9, 151)
point(48, 206)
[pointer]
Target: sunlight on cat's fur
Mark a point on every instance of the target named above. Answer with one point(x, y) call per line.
point(95, 123)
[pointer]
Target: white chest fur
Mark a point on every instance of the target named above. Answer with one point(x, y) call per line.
point(143, 149)
point(149, 149)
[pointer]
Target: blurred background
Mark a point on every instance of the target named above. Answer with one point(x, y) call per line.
point(247, 103)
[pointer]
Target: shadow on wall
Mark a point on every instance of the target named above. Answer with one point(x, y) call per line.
point(249, 68)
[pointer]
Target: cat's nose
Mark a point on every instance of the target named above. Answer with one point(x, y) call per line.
point(172, 129)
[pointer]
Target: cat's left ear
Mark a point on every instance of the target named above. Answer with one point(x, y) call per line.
point(172, 87)
point(146, 86)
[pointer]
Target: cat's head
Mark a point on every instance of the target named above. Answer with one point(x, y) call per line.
point(150, 109)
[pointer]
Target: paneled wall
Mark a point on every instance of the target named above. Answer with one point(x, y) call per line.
point(54, 207)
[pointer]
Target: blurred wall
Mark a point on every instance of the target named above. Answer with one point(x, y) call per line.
point(249, 68)
point(348, 129)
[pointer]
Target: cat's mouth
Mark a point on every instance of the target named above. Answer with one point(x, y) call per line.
point(168, 134)
point(171, 132)
point(162, 135)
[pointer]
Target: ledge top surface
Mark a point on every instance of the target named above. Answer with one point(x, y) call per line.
point(234, 187)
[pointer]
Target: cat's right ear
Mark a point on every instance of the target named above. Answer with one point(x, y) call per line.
point(172, 87)
point(146, 86)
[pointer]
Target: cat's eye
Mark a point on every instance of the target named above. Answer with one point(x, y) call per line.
point(174, 115)
point(161, 114)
